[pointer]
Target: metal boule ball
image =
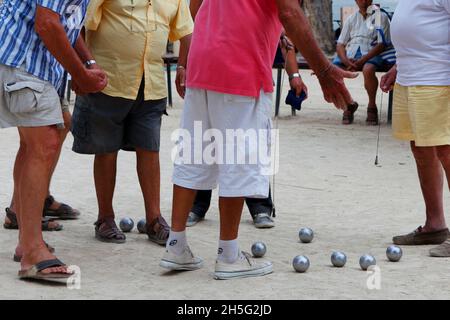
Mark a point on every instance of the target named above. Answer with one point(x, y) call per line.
point(300, 264)
point(394, 253)
point(259, 249)
point(126, 224)
point(306, 235)
point(141, 226)
point(366, 261)
point(338, 259)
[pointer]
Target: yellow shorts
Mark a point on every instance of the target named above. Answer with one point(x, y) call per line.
point(422, 114)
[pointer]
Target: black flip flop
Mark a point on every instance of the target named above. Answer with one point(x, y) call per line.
point(35, 272)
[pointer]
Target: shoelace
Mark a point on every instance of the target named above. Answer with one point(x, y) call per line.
point(247, 256)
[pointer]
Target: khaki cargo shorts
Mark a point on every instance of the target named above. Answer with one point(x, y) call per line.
point(27, 101)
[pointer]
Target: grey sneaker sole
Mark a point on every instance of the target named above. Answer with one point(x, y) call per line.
point(180, 267)
point(264, 225)
point(218, 275)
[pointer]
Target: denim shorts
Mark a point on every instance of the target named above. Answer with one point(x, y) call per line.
point(377, 61)
point(105, 124)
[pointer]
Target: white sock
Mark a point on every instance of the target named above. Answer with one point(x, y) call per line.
point(228, 251)
point(177, 242)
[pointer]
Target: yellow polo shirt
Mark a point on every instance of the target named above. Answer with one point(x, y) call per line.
point(128, 39)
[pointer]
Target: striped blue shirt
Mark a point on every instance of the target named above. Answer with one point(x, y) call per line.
point(20, 46)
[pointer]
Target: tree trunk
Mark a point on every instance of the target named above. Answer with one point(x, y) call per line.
point(320, 16)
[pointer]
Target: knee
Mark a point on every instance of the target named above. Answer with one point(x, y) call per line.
point(369, 71)
point(44, 150)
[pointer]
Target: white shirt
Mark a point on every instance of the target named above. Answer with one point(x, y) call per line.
point(357, 35)
point(420, 33)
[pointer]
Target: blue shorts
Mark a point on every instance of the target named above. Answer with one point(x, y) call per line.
point(377, 61)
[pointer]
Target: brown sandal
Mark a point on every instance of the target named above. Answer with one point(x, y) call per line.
point(106, 231)
point(348, 116)
point(372, 116)
point(158, 231)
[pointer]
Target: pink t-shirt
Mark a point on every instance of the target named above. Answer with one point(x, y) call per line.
point(233, 46)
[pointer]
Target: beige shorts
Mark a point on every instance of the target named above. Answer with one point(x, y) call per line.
point(422, 114)
point(27, 101)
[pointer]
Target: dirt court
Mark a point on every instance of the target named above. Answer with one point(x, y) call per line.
point(327, 181)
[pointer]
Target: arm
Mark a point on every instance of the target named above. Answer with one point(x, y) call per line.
point(194, 6)
point(342, 54)
point(388, 80)
point(82, 49)
point(378, 49)
point(292, 69)
point(180, 80)
point(53, 35)
point(298, 29)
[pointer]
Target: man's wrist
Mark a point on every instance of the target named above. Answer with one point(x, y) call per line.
point(324, 71)
point(181, 67)
point(294, 75)
point(90, 63)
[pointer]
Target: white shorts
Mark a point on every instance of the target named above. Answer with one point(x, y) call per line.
point(204, 151)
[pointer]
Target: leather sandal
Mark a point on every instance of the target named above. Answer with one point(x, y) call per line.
point(158, 230)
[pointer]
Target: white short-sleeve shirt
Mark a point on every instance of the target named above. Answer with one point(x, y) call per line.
point(356, 33)
point(421, 37)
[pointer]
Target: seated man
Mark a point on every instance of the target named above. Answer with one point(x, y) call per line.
point(359, 48)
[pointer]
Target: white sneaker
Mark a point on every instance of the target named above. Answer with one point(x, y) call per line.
point(184, 261)
point(244, 267)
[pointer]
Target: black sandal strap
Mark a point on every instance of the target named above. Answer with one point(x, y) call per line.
point(49, 264)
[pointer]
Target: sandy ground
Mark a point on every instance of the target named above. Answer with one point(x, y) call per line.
point(327, 181)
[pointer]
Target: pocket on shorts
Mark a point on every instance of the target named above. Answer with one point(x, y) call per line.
point(23, 96)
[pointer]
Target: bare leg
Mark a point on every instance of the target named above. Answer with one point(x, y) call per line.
point(149, 178)
point(431, 181)
point(183, 199)
point(371, 83)
point(62, 137)
point(105, 168)
point(443, 153)
point(230, 217)
point(34, 178)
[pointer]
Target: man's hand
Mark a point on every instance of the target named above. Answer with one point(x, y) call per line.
point(388, 80)
point(359, 64)
point(180, 81)
point(298, 85)
point(351, 65)
point(93, 80)
point(333, 86)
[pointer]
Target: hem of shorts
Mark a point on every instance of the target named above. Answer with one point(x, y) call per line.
point(244, 193)
point(34, 124)
point(423, 142)
point(82, 151)
point(192, 185)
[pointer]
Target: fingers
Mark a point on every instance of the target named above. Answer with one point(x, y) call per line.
point(349, 74)
point(339, 102)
